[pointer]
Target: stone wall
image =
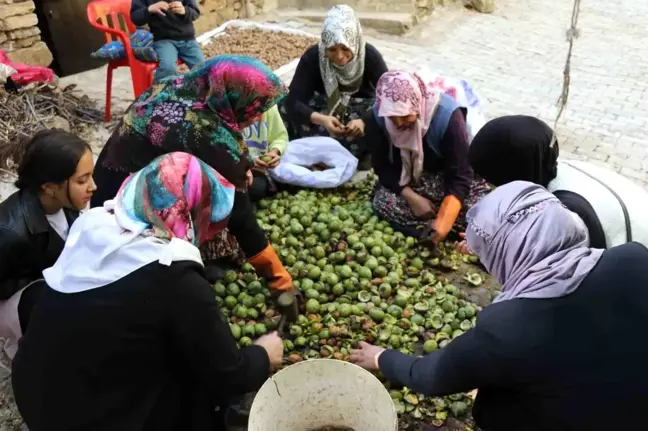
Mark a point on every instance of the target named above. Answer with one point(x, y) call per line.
point(19, 34)
point(216, 12)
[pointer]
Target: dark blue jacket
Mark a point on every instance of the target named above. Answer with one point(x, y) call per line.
point(170, 26)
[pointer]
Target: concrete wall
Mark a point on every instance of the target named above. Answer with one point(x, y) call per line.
point(19, 34)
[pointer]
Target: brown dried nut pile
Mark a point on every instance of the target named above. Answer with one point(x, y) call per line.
point(272, 47)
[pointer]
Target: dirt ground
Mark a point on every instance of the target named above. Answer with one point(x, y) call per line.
point(10, 419)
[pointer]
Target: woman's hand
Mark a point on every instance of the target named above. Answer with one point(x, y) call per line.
point(268, 160)
point(355, 128)
point(333, 125)
point(366, 356)
point(250, 178)
point(421, 207)
point(273, 346)
point(462, 246)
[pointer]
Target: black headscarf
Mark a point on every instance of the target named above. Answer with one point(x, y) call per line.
point(512, 148)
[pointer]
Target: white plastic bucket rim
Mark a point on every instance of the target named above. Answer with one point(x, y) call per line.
point(320, 392)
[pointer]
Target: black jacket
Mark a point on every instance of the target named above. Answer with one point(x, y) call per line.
point(149, 352)
point(170, 26)
point(28, 244)
point(308, 80)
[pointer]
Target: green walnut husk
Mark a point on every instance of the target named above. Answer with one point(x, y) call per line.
point(361, 281)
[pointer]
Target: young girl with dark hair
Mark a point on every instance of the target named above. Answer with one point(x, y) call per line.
point(54, 183)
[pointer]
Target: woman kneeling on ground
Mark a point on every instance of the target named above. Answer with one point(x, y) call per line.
point(419, 150)
point(334, 86)
point(518, 147)
point(203, 113)
point(54, 184)
point(128, 335)
point(558, 349)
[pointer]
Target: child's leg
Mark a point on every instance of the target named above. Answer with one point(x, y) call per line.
point(190, 53)
point(167, 59)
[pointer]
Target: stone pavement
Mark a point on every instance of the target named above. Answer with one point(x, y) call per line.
point(515, 59)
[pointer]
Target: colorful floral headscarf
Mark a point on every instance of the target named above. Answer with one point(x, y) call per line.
point(178, 196)
point(400, 94)
point(198, 113)
point(236, 88)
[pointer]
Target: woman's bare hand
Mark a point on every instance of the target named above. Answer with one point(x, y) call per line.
point(366, 356)
point(355, 128)
point(462, 246)
point(421, 207)
point(273, 346)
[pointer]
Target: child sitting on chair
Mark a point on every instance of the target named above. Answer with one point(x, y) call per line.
point(174, 35)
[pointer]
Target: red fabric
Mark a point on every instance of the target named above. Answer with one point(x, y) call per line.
point(27, 74)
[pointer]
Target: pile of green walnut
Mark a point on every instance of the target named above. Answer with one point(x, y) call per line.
point(361, 282)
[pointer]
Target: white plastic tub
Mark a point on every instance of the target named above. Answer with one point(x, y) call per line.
point(322, 392)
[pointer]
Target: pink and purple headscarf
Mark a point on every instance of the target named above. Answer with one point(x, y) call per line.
point(178, 196)
point(532, 244)
point(400, 94)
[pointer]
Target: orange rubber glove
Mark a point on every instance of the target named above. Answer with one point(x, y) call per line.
point(446, 217)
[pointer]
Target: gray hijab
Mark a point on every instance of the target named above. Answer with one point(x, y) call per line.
point(532, 244)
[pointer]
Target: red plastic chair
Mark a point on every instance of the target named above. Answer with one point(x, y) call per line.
point(141, 72)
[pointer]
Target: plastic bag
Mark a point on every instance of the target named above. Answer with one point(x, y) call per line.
point(5, 72)
point(301, 154)
point(465, 95)
point(25, 74)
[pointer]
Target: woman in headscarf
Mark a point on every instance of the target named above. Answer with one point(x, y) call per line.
point(561, 347)
point(203, 113)
point(128, 335)
point(519, 147)
point(419, 150)
point(334, 86)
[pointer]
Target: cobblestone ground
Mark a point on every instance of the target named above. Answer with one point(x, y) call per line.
point(515, 59)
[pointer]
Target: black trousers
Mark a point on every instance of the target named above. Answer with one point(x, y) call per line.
point(28, 300)
point(244, 226)
point(259, 188)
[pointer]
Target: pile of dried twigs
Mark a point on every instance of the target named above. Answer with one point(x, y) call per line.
point(35, 107)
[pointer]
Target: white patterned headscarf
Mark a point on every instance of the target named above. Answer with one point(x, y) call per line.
point(341, 27)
